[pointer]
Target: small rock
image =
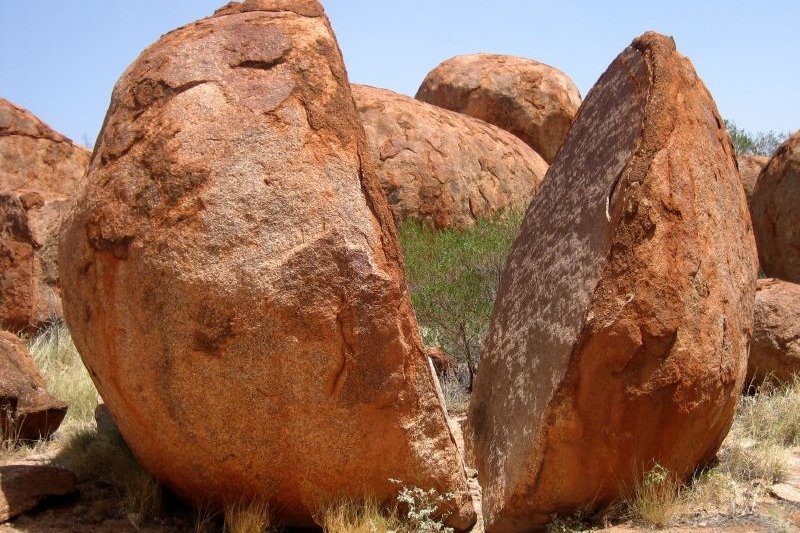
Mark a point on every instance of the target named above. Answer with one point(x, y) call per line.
point(27, 410)
point(23, 487)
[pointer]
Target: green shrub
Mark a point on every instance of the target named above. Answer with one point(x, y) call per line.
point(453, 277)
point(758, 143)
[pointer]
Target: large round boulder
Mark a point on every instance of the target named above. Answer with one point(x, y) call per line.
point(441, 167)
point(233, 281)
point(34, 156)
point(30, 222)
point(776, 213)
point(620, 331)
point(775, 350)
point(534, 101)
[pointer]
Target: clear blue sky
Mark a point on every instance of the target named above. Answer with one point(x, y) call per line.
point(60, 58)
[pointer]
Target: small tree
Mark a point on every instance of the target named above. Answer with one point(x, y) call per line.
point(758, 143)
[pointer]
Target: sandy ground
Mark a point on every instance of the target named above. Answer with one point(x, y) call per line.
point(98, 508)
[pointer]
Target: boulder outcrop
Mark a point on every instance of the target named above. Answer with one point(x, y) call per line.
point(534, 101)
point(30, 221)
point(445, 168)
point(620, 331)
point(34, 156)
point(232, 277)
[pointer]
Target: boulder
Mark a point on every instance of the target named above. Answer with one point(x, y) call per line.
point(534, 101)
point(620, 331)
point(33, 156)
point(775, 349)
point(750, 166)
point(30, 222)
point(27, 411)
point(23, 487)
point(441, 167)
point(233, 281)
point(775, 209)
point(442, 362)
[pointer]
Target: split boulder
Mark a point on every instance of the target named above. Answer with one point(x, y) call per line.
point(620, 331)
point(233, 281)
point(776, 213)
point(445, 168)
point(534, 101)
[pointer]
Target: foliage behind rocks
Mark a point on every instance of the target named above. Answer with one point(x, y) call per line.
point(453, 276)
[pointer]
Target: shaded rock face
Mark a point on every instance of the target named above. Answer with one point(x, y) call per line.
point(441, 167)
point(776, 213)
point(534, 101)
point(29, 230)
point(775, 350)
point(33, 156)
point(23, 487)
point(232, 278)
point(620, 330)
point(27, 411)
point(750, 166)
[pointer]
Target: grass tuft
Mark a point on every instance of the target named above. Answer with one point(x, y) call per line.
point(357, 517)
point(657, 500)
point(248, 517)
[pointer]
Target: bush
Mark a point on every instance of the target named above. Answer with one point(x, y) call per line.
point(453, 277)
point(759, 143)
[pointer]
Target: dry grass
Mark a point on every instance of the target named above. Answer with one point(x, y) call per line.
point(67, 379)
point(357, 517)
point(455, 394)
point(771, 416)
point(248, 517)
point(657, 500)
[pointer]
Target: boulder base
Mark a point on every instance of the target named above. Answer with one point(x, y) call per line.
point(775, 350)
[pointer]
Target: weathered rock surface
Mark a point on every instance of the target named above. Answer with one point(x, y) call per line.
point(750, 166)
point(33, 156)
point(620, 330)
point(23, 487)
point(232, 277)
point(442, 167)
point(27, 411)
point(534, 101)
point(775, 349)
point(29, 230)
point(775, 209)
